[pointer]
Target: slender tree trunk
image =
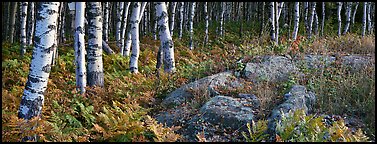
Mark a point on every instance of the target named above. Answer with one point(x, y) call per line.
point(32, 98)
point(311, 20)
point(323, 18)
point(191, 28)
point(95, 76)
point(119, 23)
point(348, 17)
point(277, 23)
point(353, 16)
point(206, 23)
point(315, 23)
point(79, 47)
point(364, 19)
point(31, 24)
point(63, 23)
point(272, 20)
point(123, 26)
point(262, 21)
point(171, 26)
point(23, 28)
point(12, 21)
point(106, 22)
point(182, 4)
point(167, 45)
point(223, 6)
point(339, 4)
point(6, 17)
point(135, 37)
point(369, 18)
point(297, 20)
point(306, 10)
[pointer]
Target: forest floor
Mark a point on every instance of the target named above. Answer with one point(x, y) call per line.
point(123, 109)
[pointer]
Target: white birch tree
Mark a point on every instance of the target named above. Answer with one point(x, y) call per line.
point(171, 26)
point(191, 28)
point(40, 67)
point(206, 23)
point(364, 19)
point(94, 50)
point(181, 19)
point(124, 25)
point(31, 24)
point(106, 22)
point(272, 20)
point(23, 27)
point(348, 17)
point(79, 47)
point(323, 18)
point(311, 20)
point(339, 4)
point(297, 20)
point(134, 21)
point(119, 23)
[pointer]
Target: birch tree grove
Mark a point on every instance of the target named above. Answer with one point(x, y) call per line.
point(297, 20)
point(79, 47)
point(45, 34)
point(23, 27)
point(94, 51)
point(167, 44)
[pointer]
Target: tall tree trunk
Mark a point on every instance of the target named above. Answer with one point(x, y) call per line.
point(95, 75)
point(181, 19)
point(106, 22)
point(63, 23)
point(119, 23)
point(23, 28)
point(364, 19)
point(206, 23)
point(167, 45)
point(262, 21)
point(348, 17)
point(306, 10)
point(6, 24)
point(191, 28)
point(123, 26)
point(135, 37)
point(272, 20)
point(353, 16)
point(171, 26)
point(277, 23)
point(297, 20)
point(323, 18)
point(315, 23)
point(339, 4)
point(79, 47)
point(32, 98)
point(369, 18)
point(31, 24)
point(12, 21)
point(223, 7)
point(311, 20)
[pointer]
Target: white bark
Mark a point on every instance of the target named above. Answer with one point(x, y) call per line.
point(94, 50)
point(171, 26)
point(222, 18)
point(167, 44)
point(45, 35)
point(124, 25)
point(323, 18)
point(369, 18)
point(206, 23)
point(339, 17)
point(135, 37)
point(354, 13)
point(272, 20)
point(23, 27)
point(306, 10)
point(181, 19)
point(31, 24)
point(311, 20)
point(348, 17)
point(297, 20)
point(315, 23)
point(191, 28)
point(79, 47)
point(364, 19)
point(276, 23)
point(119, 23)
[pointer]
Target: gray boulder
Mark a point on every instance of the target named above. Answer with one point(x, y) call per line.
point(357, 62)
point(297, 98)
point(316, 61)
point(270, 68)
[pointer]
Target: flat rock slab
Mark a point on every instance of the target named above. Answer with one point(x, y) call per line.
point(356, 63)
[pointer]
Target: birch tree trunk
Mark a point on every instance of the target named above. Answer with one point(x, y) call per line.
point(12, 20)
point(45, 34)
point(276, 23)
point(323, 18)
point(181, 19)
point(306, 10)
point(297, 20)
point(79, 47)
point(124, 25)
point(191, 29)
point(171, 26)
point(106, 22)
point(63, 24)
point(23, 28)
point(348, 17)
point(206, 23)
point(31, 25)
point(311, 20)
point(369, 18)
point(354, 14)
point(364, 19)
point(167, 45)
point(339, 4)
point(222, 18)
point(94, 51)
point(272, 21)
point(262, 21)
point(119, 23)
point(315, 23)
point(135, 37)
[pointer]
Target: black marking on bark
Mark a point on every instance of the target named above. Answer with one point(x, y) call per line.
point(32, 105)
point(46, 68)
